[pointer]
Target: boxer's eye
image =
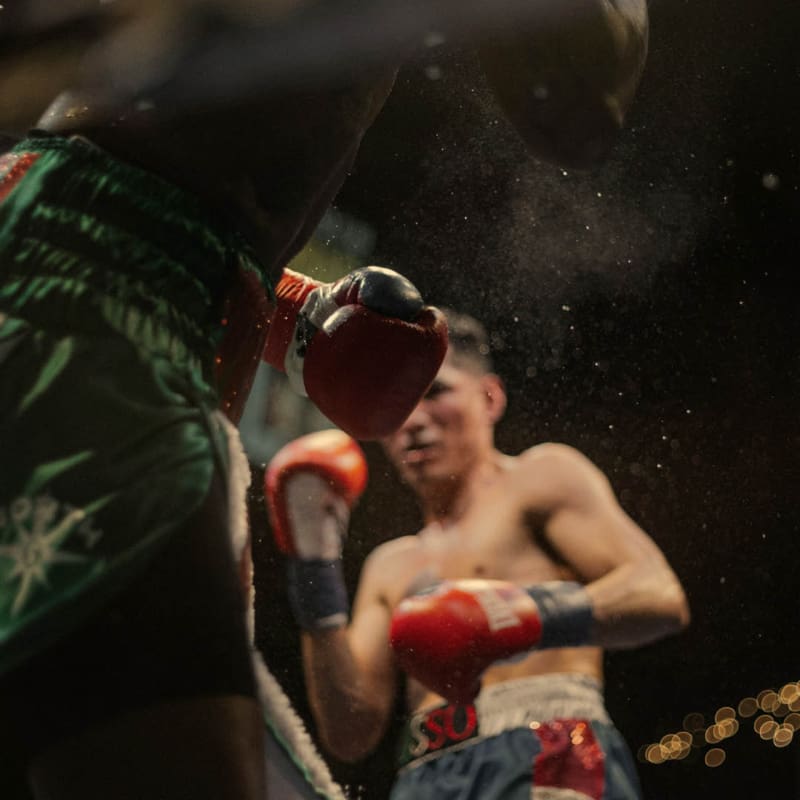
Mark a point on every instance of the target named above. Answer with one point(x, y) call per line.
point(436, 390)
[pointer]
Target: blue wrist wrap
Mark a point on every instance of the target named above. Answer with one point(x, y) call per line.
point(566, 614)
point(317, 594)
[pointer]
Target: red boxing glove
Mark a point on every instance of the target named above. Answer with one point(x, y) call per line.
point(364, 349)
point(448, 637)
point(309, 482)
point(310, 487)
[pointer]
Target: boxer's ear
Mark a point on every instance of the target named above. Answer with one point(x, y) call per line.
point(496, 398)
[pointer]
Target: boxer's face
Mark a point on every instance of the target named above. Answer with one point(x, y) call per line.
point(451, 427)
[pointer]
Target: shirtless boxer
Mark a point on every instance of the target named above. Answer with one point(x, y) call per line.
point(137, 254)
point(528, 566)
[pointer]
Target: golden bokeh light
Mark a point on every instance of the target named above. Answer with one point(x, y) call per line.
point(778, 723)
point(724, 713)
point(653, 754)
point(783, 736)
point(768, 729)
point(789, 693)
point(672, 747)
point(714, 757)
point(768, 700)
point(760, 721)
point(748, 707)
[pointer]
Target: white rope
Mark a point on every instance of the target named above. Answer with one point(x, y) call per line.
point(291, 732)
point(239, 478)
point(281, 718)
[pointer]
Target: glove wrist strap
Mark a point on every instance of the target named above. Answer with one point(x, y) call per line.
point(317, 593)
point(290, 294)
point(566, 614)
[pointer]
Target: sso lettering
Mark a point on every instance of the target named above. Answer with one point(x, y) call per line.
point(468, 725)
point(440, 727)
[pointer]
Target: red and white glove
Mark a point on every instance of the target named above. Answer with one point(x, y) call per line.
point(364, 349)
point(310, 486)
point(447, 637)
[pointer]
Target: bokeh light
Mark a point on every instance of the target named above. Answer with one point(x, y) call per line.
point(777, 723)
point(747, 707)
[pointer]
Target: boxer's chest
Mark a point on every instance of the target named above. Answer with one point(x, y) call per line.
point(494, 538)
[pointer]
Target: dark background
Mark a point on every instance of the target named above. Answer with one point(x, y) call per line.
point(644, 312)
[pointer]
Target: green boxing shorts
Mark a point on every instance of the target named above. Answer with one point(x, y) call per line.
point(113, 286)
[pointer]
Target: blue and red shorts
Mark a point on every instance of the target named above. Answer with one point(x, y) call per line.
point(546, 737)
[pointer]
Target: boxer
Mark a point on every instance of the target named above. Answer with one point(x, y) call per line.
point(129, 314)
point(497, 610)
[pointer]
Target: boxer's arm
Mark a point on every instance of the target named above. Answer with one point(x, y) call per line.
point(310, 485)
point(567, 81)
point(634, 594)
point(350, 673)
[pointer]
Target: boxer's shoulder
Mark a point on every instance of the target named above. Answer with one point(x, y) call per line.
point(552, 472)
point(552, 454)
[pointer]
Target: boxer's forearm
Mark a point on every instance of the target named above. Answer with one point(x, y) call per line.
point(637, 603)
point(347, 709)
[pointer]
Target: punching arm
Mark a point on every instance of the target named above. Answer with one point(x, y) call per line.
point(448, 637)
point(310, 487)
point(636, 596)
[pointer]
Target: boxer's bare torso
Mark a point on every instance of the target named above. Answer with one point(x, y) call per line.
point(546, 515)
point(497, 535)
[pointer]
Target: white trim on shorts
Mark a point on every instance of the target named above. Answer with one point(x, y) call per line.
point(522, 702)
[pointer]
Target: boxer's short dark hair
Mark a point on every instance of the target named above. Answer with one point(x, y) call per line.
point(468, 342)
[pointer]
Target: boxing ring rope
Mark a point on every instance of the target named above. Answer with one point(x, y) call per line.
point(290, 753)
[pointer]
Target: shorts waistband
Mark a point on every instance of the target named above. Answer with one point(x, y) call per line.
point(115, 244)
point(501, 707)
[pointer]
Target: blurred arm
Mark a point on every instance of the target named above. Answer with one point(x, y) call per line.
point(350, 674)
point(636, 597)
